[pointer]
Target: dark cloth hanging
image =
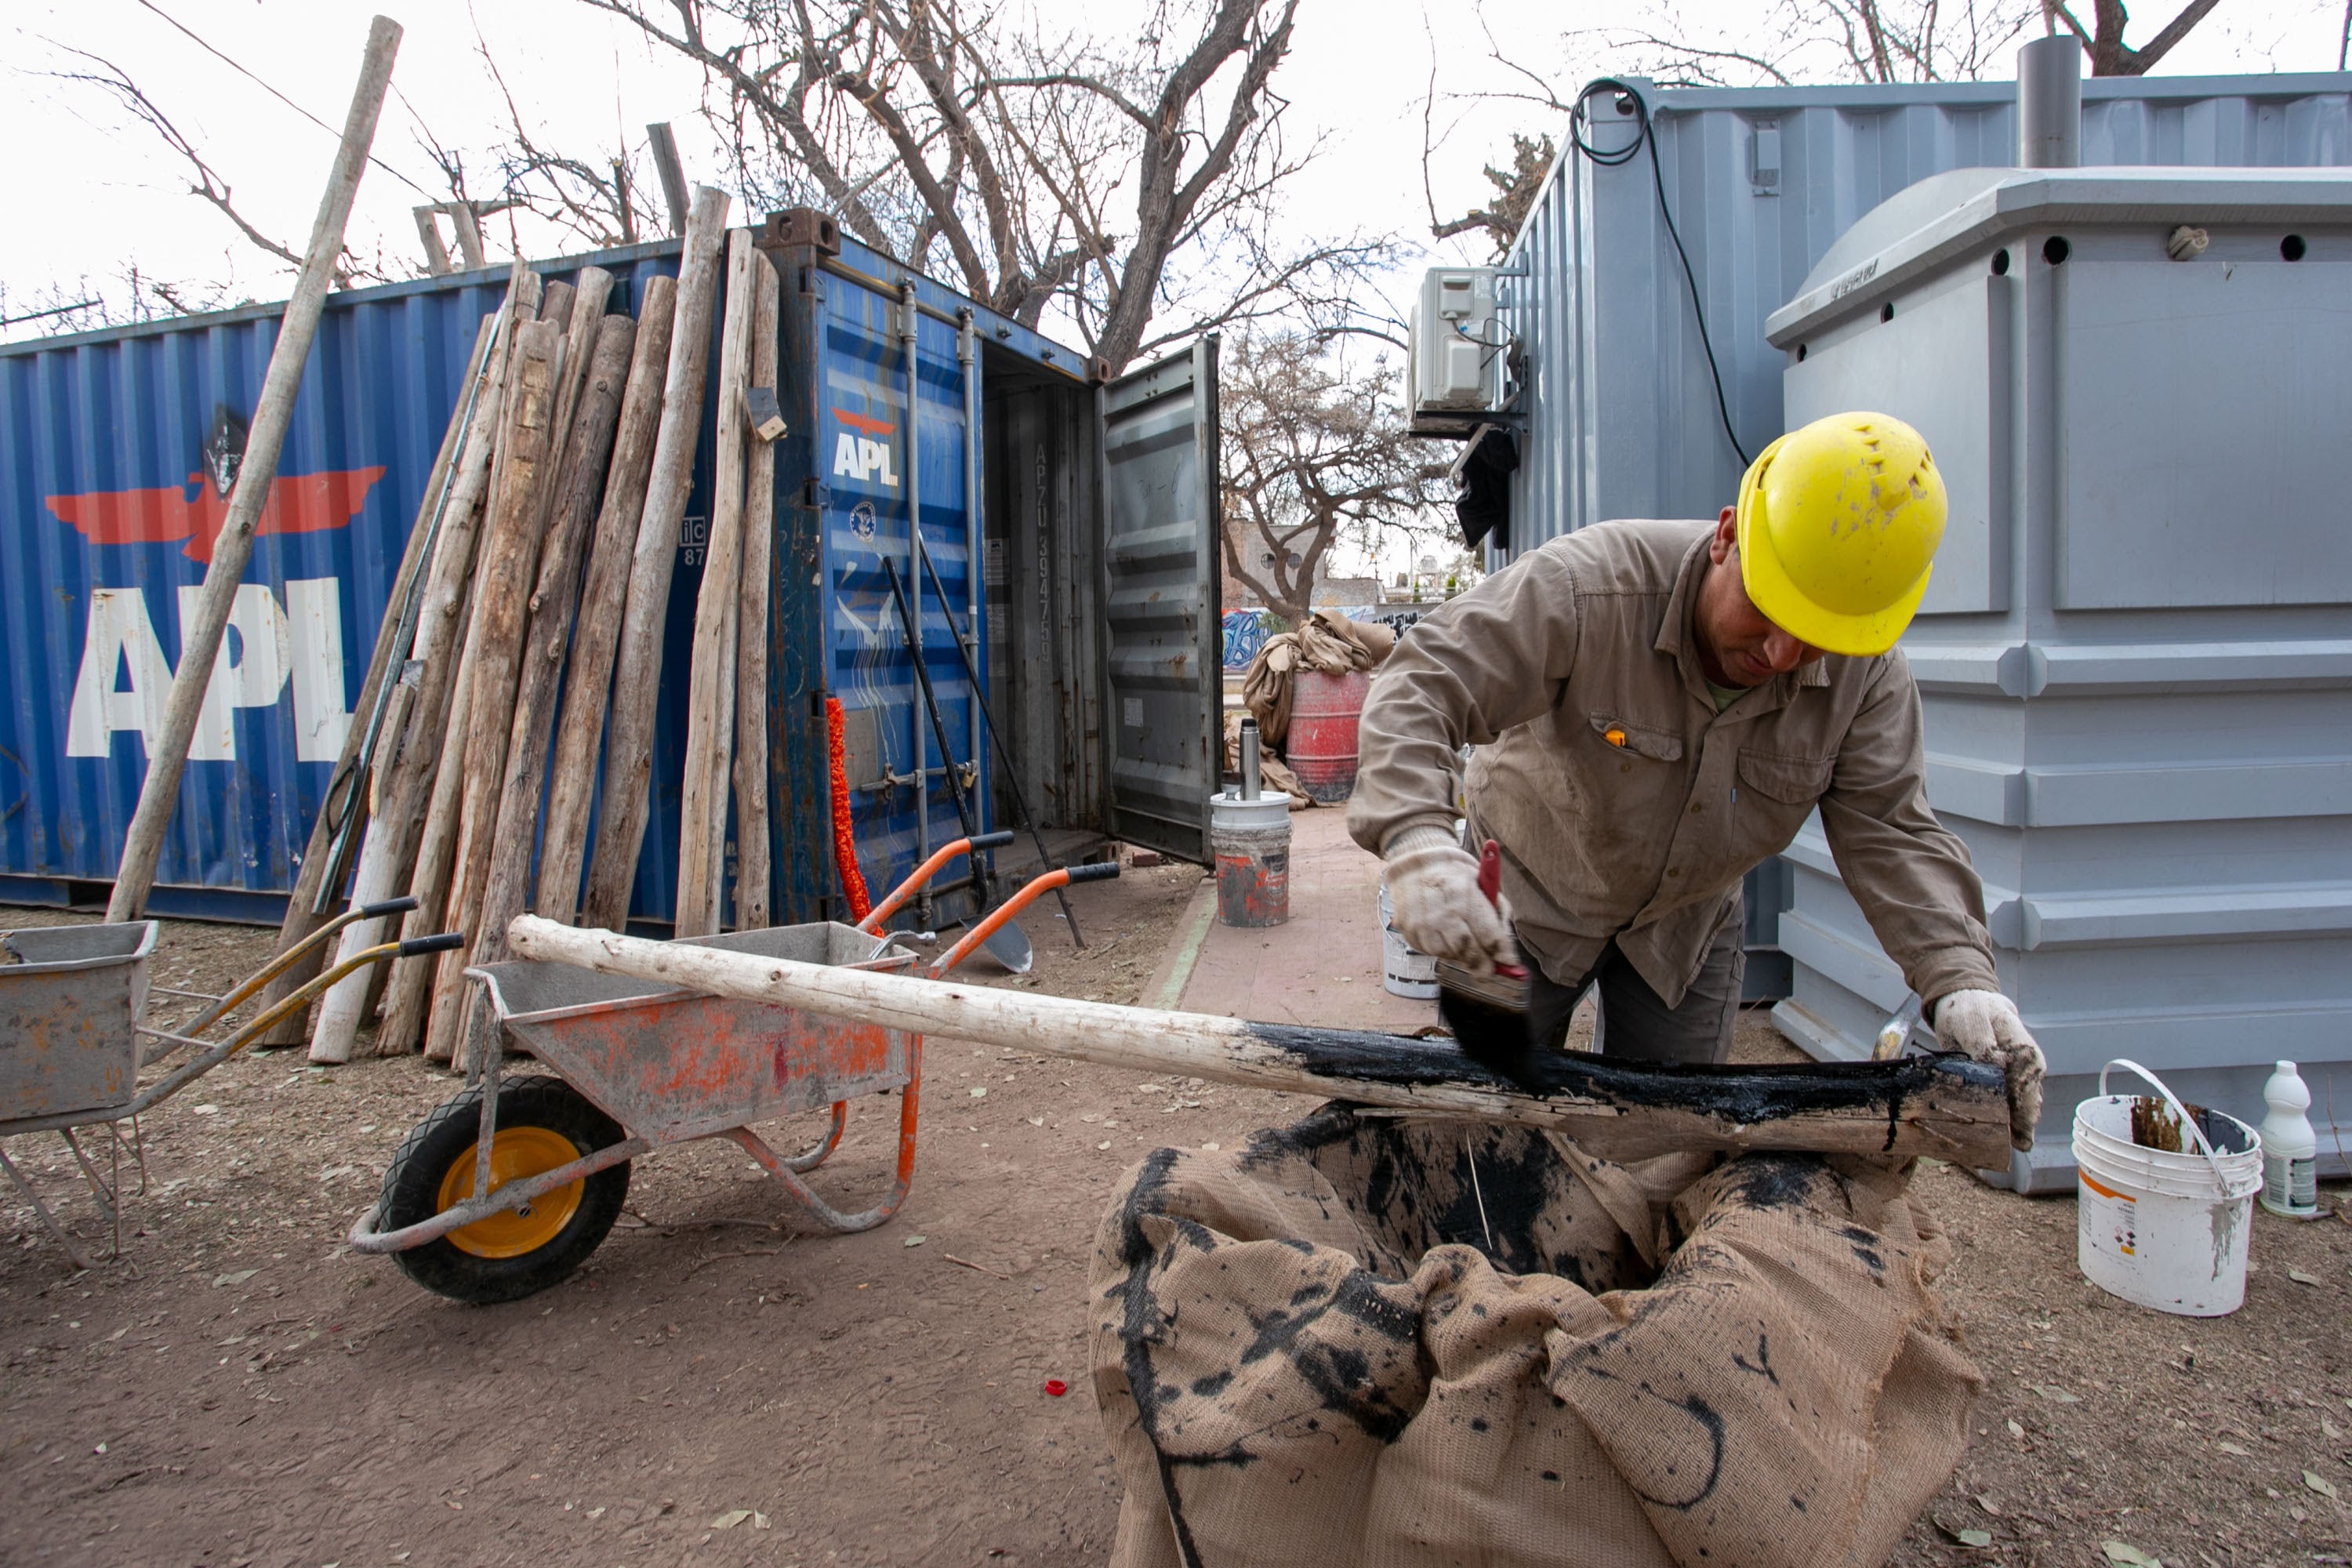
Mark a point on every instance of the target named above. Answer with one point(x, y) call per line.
point(1482, 494)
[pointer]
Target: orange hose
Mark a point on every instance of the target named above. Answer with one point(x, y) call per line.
point(845, 846)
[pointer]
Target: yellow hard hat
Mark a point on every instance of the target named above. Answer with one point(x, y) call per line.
point(1838, 523)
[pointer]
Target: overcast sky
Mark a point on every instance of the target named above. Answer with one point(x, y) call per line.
point(90, 191)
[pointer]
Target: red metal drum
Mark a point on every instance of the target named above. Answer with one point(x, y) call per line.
point(1325, 710)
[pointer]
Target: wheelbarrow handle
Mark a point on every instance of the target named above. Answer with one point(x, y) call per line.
point(906, 890)
point(399, 906)
point(445, 941)
point(1060, 877)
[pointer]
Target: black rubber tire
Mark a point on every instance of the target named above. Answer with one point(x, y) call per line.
point(411, 1187)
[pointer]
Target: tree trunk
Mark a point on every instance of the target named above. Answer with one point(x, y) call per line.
point(752, 871)
point(709, 706)
point(588, 685)
point(636, 675)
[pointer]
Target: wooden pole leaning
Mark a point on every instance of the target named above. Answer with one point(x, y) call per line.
point(1947, 1107)
point(637, 665)
point(509, 550)
point(710, 710)
point(595, 638)
point(553, 601)
point(200, 639)
point(354, 773)
point(752, 867)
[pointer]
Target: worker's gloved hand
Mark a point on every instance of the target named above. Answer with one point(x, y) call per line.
point(1984, 1027)
point(1436, 905)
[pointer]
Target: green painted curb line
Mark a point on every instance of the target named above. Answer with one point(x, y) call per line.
point(1198, 917)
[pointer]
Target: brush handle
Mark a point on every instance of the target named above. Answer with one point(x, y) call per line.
point(1490, 882)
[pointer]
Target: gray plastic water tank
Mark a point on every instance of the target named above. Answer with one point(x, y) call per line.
point(2135, 652)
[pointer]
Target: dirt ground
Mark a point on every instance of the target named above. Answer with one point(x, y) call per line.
point(716, 1387)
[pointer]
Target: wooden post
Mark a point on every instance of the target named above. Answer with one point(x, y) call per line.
point(509, 550)
point(374, 879)
point(411, 989)
point(588, 684)
point(301, 916)
point(709, 713)
point(637, 670)
point(1948, 1107)
point(200, 638)
point(752, 872)
point(552, 602)
point(663, 144)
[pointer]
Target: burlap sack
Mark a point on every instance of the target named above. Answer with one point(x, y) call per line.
point(1419, 1343)
point(1328, 642)
point(1273, 773)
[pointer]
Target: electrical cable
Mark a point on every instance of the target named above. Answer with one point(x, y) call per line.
point(1578, 121)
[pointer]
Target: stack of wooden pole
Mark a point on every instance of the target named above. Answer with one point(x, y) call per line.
point(567, 472)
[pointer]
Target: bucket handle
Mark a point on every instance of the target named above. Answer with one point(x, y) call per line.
point(2204, 1146)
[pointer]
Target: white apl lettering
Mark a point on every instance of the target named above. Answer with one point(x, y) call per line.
point(124, 677)
point(863, 459)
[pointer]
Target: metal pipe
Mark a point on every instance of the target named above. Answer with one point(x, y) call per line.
point(909, 316)
point(1249, 759)
point(974, 542)
point(2050, 104)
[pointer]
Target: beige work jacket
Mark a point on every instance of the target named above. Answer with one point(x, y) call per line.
point(1626, 806)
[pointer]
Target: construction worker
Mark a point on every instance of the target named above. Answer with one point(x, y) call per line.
point(1657, 706)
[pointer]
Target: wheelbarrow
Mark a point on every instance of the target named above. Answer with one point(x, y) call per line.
point(507, 1187)
point(73, 1003)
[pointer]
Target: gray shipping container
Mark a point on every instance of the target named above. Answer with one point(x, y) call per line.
point(1617, 414)
point(2135, 652)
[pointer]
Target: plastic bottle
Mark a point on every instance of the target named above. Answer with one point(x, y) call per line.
point(2289, 1149)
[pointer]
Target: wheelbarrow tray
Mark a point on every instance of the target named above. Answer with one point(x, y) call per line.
point(70, 1013)
point(671, 1065)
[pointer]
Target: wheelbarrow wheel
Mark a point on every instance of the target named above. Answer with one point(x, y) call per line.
point(543, 1122)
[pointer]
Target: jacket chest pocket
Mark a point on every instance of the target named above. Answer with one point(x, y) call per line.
point(1775, 792)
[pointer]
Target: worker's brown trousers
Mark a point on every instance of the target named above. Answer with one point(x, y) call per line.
point(1634, 1022)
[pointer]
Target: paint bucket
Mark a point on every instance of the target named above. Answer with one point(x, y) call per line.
point(1404, 971)
point(2162, 1230)
point(1251, 840)
point(1325, 713)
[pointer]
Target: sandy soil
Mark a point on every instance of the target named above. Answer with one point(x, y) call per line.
point(718, 1387)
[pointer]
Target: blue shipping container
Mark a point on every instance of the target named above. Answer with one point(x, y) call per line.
point(117, 449)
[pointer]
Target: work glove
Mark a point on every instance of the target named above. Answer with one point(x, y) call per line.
point(1435, 904)
point(1983, 1026)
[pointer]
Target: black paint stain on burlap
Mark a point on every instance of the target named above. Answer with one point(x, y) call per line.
point(1339, 1376)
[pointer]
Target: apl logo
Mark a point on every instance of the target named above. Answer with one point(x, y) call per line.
point(124, 676)
point(866, 458)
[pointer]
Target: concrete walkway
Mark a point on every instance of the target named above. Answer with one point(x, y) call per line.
point(1320, 967)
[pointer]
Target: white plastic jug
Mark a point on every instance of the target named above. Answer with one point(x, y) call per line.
point(2290, 1148)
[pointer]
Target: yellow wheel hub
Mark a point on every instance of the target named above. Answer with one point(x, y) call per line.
point(517, 1153)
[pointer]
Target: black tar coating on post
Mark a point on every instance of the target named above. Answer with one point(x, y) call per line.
point(1745, 1095)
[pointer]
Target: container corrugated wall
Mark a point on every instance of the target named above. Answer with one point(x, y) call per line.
point(1621, 411)
point(107, 508)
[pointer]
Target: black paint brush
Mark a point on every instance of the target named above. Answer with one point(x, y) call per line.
point(1488, 1013)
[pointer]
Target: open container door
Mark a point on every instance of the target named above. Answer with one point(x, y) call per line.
point(1162, 650)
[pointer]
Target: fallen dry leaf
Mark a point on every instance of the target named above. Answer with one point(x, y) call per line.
point(2229, 1448)
point(731, 1519)
point(2319, 1484)
point(2124, 1554)
point(2300, 1278)
point(239, 1277)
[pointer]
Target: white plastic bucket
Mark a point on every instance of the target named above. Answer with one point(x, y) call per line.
point(2165, 1231)
point(1403, 971)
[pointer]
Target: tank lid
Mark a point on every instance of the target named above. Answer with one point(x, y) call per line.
point(1965, 211)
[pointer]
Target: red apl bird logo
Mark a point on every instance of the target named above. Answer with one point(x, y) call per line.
point(298, 503)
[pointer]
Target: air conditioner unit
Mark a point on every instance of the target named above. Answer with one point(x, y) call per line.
point(1459, 355)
